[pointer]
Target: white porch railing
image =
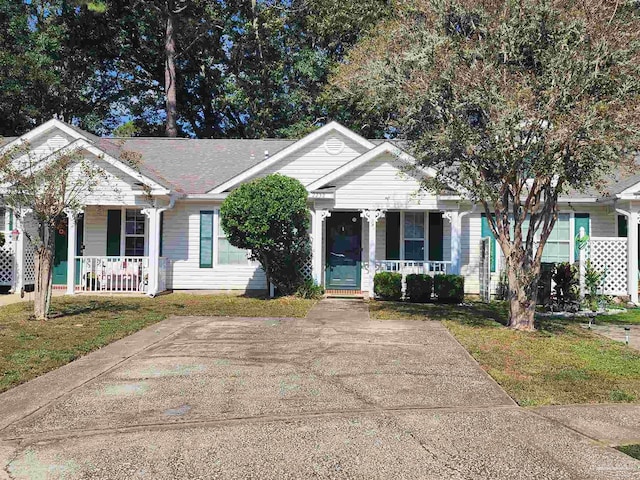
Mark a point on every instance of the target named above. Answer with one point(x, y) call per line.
point(407, 267)
point(113, 274)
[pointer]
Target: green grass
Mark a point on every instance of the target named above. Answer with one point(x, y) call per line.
point(560, 363)
point(630, 317)
point(631, 450)
point(80, 325)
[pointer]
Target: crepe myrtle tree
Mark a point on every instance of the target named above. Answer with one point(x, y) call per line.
point(41, 191)
point(514, 102)
point(269, 217)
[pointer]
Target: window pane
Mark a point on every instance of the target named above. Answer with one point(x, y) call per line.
point(134, 247)
point(230, 255)
point(206, 239)
point(414, 225)
point(414, 250)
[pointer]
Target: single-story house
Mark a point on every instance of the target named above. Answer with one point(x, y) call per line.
point(157, 227)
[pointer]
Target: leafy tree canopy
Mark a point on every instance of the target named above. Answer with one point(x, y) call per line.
point(515, 101)
point(244, 69)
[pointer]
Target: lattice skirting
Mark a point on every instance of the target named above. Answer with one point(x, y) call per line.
point(6, 264)
point(609, 255)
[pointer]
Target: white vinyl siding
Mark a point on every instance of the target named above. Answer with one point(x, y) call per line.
point(382, 183)
point(313, 162)
point(181, 245)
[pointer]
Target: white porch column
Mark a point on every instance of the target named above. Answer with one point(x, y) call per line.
point(318, 217)
point(372, 217)
point(632, 255)
point(154, 249)
point(71, 252)
point(19, 238)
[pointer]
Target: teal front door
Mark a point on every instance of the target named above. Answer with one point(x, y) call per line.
point(344, 251)
point(61, 253)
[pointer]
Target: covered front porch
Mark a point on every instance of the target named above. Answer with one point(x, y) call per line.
point(351, 246)
point(110, 249)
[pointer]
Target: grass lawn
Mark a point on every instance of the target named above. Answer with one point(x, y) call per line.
point(630, 317)
point(82, 324)
point(631, 450)
point(561, 363)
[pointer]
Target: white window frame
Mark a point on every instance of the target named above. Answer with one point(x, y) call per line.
point(571, 236)
point(403, 238)
point(217, 234)
point(123, 232)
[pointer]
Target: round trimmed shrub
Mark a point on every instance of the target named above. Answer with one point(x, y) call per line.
point(269, 216)
point(448, 288)
point(388, 286)
point(419, 287)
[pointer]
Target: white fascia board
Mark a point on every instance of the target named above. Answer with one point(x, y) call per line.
point(628, 196)
point(205, 196)
point(386, 147)
point(81, 143)
point(155, 187)
point(303, 142)
point(577, 200)
point(48, 125)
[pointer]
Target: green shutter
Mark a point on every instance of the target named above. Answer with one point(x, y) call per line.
point(435, 236)
point(206, 239)
point(10, 220)
point(581, 220)
point(486, 232)
point(114, 232)
point(622, 226)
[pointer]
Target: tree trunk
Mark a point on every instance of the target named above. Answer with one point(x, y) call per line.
point(43, 272)
point(523, 294)
point(171, 129)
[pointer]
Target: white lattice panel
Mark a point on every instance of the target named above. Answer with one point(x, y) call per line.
point(307, 270)
point(29, 264)
point(6, 263)
point(609, 255)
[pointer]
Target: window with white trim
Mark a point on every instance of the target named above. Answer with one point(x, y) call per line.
point(134, 227)
point(414, 235)
point(227, 253)
point(558, 246)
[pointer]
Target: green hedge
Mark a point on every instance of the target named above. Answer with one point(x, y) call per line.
point(419, 287)
point(388, 286)
point(448, 288)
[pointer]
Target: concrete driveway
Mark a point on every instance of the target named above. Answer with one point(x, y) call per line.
point(334, 395)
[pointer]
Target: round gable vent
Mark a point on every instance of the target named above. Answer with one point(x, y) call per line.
point(334, 146)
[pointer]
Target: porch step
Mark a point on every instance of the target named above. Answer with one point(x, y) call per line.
point(344, 294)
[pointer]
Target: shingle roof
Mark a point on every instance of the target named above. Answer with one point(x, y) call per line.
point(189, 165)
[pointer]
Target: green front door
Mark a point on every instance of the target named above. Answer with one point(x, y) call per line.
point(344, 251)
point(61, 252)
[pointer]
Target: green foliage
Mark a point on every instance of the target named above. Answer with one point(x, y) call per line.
point(388, 285)
point(592, 282)
point(515, 101)
point(244, 69)
point(310, 290)
point(2, 239)
point(566, 278)
point(269, 216)
point(129, 129)
point(419, 288)
point(448, 288)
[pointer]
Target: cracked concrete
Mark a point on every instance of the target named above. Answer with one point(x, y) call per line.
point(335, 395)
